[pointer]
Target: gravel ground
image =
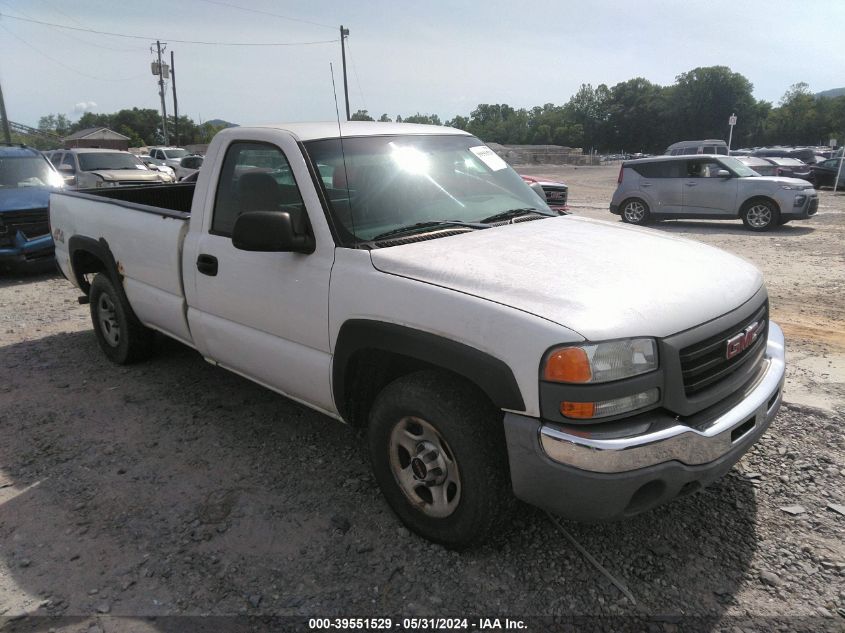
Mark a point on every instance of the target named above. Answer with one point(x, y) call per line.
point(173, 488)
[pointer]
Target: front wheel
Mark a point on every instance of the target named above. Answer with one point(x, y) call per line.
point(120, 334)
point(437, 450)
point(760, 215)
point(635, 211)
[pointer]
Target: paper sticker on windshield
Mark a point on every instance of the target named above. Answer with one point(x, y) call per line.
point(488, 157)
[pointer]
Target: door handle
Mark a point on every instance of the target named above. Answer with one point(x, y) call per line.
point(692, 184)
point(207, 264)
point(645, 184)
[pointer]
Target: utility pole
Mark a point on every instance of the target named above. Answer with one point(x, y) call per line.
point(7, 133)
point(175, 102)
point(161, 94)
point(343, 33)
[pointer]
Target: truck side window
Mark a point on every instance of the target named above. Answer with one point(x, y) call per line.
point(255, 177)
point(68, 160)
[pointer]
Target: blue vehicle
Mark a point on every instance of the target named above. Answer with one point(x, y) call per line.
point(26, 180)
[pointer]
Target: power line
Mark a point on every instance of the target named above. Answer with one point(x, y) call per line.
point(275, 15)
point(63, 65)
point(72, 37)
point(148, 38)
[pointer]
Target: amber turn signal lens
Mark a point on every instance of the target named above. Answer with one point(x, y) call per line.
point(568, 364)
point(578, 410)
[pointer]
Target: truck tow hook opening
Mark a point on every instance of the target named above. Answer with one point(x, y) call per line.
point(83, 300)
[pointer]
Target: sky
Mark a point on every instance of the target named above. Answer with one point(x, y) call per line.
point(433, 57)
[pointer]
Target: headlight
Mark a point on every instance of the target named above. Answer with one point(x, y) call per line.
point(601, 362)
point(792, 187)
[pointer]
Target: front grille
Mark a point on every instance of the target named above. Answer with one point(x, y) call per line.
point(31, 223)
point(814, 206)
point(556, 196)
point(705, 364)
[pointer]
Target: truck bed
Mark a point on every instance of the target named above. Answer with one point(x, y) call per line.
point(158, 198)
point(144, 227)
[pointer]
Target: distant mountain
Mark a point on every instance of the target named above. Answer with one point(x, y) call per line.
point(219, 122)
point(830, 94)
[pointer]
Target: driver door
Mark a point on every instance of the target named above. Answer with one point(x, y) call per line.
point(261, 314)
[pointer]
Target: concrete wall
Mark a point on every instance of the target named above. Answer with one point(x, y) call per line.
point(542, 155)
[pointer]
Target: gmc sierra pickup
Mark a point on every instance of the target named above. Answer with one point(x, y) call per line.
point(404, 278)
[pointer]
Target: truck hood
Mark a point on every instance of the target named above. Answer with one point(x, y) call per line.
point(600, 279)
point(24, 198)
point(141, 175)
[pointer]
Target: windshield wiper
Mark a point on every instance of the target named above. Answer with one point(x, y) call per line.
point(512, 213)
point(428, 225)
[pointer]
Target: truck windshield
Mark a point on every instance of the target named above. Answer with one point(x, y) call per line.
point(175, 153)
point(109, 160)
point(380, 184)
point(28, 171)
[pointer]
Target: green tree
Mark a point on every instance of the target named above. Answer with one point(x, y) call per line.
point(361, 115)
point(459, 122)
point(57, 124)
point(588, 108)
point(385, 119)
point(428, 119)
point(634, 117)
point(704, 98)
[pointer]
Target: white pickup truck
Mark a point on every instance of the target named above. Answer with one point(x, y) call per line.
point(404, 279)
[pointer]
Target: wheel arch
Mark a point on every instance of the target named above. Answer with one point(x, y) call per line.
point(758, 198)
point(88, 255)
point(370, 354)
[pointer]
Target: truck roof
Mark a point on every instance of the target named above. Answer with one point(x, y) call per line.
point(329, 129)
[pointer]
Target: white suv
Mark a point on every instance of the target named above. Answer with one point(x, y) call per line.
point(709, 187)
point(170, 155)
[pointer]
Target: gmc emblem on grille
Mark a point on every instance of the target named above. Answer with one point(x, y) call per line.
point(744, 339)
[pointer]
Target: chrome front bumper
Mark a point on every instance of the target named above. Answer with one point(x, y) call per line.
point(669, 439)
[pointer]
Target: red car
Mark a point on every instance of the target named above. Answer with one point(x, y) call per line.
point(555, 193)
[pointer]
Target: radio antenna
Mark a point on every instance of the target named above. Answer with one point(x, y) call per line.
point(343, 155)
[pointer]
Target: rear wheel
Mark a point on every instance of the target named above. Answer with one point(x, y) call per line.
point(760, 215)
point(635, 211)
point(437, 450)
point(120, 334)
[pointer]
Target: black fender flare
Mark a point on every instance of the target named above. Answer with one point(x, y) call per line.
point(99, 249)
point(493, 376)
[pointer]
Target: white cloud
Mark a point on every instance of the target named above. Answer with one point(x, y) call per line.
point(84, 106)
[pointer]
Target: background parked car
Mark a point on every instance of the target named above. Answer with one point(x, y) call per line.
point(170, 155)
point(93, 168)
point(804, 154)
point(789, 167)
point(710, 188)
point(554, 193)
point(187, 166)
point(758, 164)
point(824, 173)
point(156, 164)
point(707, 146)
point(26, 180)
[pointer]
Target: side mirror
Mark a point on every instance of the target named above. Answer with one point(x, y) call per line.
point(723, 173)
point(66, 167)
point(270, 231)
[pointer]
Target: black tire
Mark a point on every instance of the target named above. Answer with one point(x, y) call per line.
point(760, 215)
point(781, 222)
point(119, 332)
point(475, 493)
point(635, 211)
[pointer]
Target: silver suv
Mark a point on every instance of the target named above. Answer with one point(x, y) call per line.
point(709, 187)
